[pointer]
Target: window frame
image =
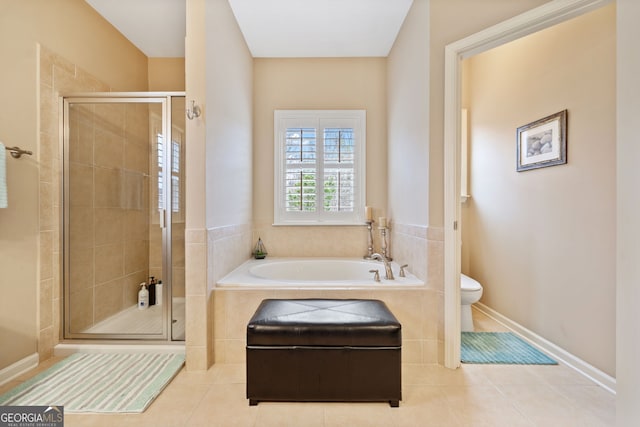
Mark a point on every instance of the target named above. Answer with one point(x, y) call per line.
point(320, 120)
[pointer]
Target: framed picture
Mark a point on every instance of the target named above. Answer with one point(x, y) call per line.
point(542, 143)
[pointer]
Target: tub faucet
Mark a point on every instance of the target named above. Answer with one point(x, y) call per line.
point(387, 266)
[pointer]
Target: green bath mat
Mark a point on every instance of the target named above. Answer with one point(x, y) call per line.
point(99, 382)
point(500, 348)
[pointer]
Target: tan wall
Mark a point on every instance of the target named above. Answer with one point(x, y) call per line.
point(219, 154)
point(408, 119)
point(628, 206)
point(229, 120)
point(166, 74)
point(408, 145)
point(542, 242)
point(318, 83)
point(452, 20)
point(75, 31)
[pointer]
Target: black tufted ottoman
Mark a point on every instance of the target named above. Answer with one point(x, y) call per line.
point(323, 350)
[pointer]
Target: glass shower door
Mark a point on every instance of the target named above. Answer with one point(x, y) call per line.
point(117, 231)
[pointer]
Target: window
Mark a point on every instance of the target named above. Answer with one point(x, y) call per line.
point(175, 171)
point(319, 167)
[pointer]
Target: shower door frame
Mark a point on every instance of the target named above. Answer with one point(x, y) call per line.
point(165, 215)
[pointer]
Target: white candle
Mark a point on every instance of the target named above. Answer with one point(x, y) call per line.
point(369, 213)
point(382, 221)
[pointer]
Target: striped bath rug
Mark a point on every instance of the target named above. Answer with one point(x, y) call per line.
point(500, 348)
point(99, 382)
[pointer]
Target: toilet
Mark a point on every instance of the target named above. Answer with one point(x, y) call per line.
point(470, 292)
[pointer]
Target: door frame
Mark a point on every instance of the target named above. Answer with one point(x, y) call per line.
point(537, 19)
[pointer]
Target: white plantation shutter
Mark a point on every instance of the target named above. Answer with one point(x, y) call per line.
point(319, 167)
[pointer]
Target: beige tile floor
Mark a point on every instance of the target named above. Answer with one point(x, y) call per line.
point(474, 395)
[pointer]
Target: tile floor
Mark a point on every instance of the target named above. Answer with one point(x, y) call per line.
point(474, 395)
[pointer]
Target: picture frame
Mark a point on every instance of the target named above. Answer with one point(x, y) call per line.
point(542, 143)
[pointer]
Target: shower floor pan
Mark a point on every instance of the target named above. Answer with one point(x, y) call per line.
point(134, 321)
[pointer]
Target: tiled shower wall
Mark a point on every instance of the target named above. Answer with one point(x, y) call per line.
point(112, 259)
point(109, 209)
point(56, 76)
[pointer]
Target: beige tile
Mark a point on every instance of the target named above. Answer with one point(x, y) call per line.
point(108, 299)
point(359, 414)
point(81, 309)
point(108, 188)
point(136, 157)
point(46, 206)
point(109, 226)
point(82, 269)
point(559, 374)
point(81, 227)
point(46, 305)
point(175, 404)
point(544, 405)
point(196, 269)
point(277, 414)
point(224, 405)
point(411, 351)
point(439, 375)
point(80, 185)
point(81, 133)
point(136, 256)
point(240, 307)
point(595, 401)
point(109, 262)
point(46, 255)
point(216, 397)
point(45, 343)
point(196, 320)
point(196, 358)
point(408, 307)
point(109, 148)
point(235, 351)
point(432, 351)
point(425, 406)
point(482, 405)
point(230, 373)
point(507, 374)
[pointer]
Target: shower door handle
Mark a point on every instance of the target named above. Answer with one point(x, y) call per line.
point(163, 218)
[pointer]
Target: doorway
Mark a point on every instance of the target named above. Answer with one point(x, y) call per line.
point(542, 17)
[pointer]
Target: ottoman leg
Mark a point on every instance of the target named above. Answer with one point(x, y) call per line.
point(394, 403)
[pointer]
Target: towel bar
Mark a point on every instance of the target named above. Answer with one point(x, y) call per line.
point(17, 152)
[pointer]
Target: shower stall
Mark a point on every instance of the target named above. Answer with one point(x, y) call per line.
point(124, 215)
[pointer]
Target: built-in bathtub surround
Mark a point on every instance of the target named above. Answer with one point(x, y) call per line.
point(210, 254)
point(197, 324)
point(228, 247)
point(422, 248)
point(417, 308)
point(315, 241)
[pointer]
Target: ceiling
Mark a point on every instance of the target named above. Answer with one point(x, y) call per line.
point(271, 28)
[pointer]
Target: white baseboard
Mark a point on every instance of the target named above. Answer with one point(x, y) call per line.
point(18, 368)
point(582, 367)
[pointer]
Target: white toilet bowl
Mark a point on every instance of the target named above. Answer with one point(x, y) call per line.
point(470, 292)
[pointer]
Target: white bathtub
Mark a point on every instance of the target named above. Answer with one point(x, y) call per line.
point(315, 273)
